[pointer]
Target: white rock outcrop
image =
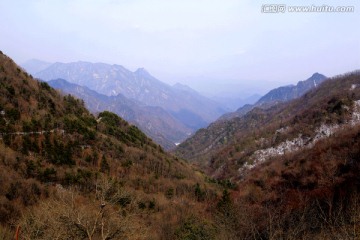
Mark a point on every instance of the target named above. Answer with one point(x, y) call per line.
point(300, 142)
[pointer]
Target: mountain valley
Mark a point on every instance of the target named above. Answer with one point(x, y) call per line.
point(157, 123)
point(285, 169)
point(188, 109)
point(179, 120)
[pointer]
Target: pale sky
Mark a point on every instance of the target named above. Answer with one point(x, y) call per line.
point(213, 46)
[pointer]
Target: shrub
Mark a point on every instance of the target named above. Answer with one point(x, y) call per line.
point(13, 114)
point(199, 194)
point(48, 175)
point(45, 86)
point(141, 205)
point(124, 201)
point(169, 193)
point(195, 229)
point(104, 165)
point(152, 204)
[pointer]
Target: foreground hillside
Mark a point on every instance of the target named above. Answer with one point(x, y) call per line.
point(308, 194)
point(66, 174)
point(295, 165)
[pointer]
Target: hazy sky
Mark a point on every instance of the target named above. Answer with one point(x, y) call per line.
point(211, 45)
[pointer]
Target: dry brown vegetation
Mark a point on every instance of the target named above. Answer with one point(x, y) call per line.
point(312, 194)
point(225, 146)
point(66, 174)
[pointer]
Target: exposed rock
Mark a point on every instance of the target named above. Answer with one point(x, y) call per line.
point(299, 142)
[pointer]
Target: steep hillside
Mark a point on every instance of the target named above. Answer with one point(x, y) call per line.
point(281, 94)
point(308, 194)
point(66, 174)
point(192, 109)
point(225, 146)
point(295, 165)
point(157, 123)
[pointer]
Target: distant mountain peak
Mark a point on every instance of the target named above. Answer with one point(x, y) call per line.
point(317, 75)
point(142, 71)
point(281, 94)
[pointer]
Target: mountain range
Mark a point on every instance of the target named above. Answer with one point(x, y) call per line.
point(139, 85)
point(188, 109)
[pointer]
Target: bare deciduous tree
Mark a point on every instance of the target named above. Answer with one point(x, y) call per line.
point(71, 216)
